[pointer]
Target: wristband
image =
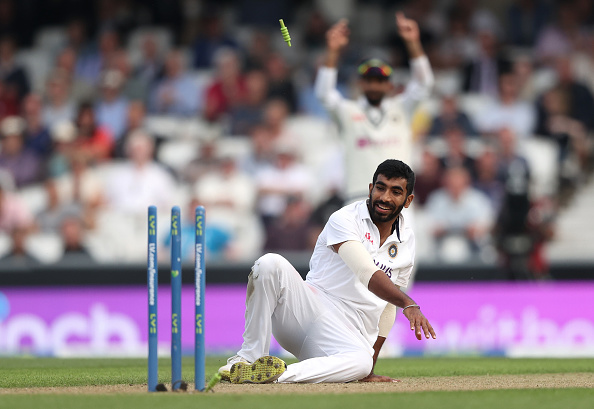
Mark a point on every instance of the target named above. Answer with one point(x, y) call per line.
point(412, 305)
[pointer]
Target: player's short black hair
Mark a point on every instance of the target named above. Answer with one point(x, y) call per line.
point(393, 168)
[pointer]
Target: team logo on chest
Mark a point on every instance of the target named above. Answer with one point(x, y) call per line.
point(393, 251)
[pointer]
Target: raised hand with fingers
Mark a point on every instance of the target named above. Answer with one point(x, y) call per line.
point(337, 36)
point(407, 29)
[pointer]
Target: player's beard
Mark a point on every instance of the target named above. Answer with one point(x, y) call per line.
point(379, 218)
point(374, 97)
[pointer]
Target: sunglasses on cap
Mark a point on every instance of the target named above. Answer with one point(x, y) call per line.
point(374, 68)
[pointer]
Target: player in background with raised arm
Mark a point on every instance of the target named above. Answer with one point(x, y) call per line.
point(374, 127)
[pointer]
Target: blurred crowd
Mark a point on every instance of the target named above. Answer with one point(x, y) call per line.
point(109, 106)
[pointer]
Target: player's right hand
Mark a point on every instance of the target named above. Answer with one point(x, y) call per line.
point(337, 36)
point(419, 323)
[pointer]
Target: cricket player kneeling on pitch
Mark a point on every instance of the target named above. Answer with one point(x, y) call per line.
point(332, 322)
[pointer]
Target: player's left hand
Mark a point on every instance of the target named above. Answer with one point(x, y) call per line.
point(419, 323)
point(378, 378)
point(407, 28)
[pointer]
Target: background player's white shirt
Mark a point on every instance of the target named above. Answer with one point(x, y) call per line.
point(374, 134)
point(329, 274)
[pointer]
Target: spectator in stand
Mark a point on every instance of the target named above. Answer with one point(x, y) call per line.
point(13, 212)
point(585, 12)
point(513, 236)
point(63, 135)
point(262, 153)
point(19, 255)
point(210, 40)
point(81, 188)
point(541, 219)
point(459, 211)
point(451, 116)
point(72, 233)
point(36, 134)
point(276, 114)
point(258, 51)
point(230, 216)
point(523, 68)
point(14, 21)
point(456, 155)
point(90, 65)
point(478, 17)
point(176, 93)
point(488, 177)
point(12, 75)
point(132, 87)
point(23, 164)
point(229, 87)
point(49, 219)
point(526, 19)
point(77, 38)
point(58, 104)
point(556, 123)
point(215, 240)
point(135, 120)
point(316, 27)
point(66, 63)
point(513, 171)
point(287, 177)
point(150, 69)
point(291, 231)
point(458, 46)
point(427, 177)
point(580, 98)
point(249, 113)
point(205, 162)
point(139, 181)
point(563, 36)
point(281, 83)
point(320, 215)
point(112, 107)
point(93, 141)
point(214, 185)
point(481, 75)
point(507, 110)
point(8, 105)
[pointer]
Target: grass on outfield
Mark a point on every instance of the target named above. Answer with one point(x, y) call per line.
point(40, 372)
point(508, 399)
point(36, 372)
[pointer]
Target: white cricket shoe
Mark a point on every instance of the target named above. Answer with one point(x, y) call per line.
point(225, 370)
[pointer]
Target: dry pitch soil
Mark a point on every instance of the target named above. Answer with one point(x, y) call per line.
point(417, 384)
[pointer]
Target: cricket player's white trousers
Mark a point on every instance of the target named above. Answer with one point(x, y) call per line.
point(279, 302)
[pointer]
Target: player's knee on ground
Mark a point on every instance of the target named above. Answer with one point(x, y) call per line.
point(267, 265)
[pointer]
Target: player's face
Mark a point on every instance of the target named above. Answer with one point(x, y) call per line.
point(375, 89)
point(387, 198)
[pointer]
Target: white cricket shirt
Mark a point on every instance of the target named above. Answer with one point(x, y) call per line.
point(374, 134)
point(329, 274)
